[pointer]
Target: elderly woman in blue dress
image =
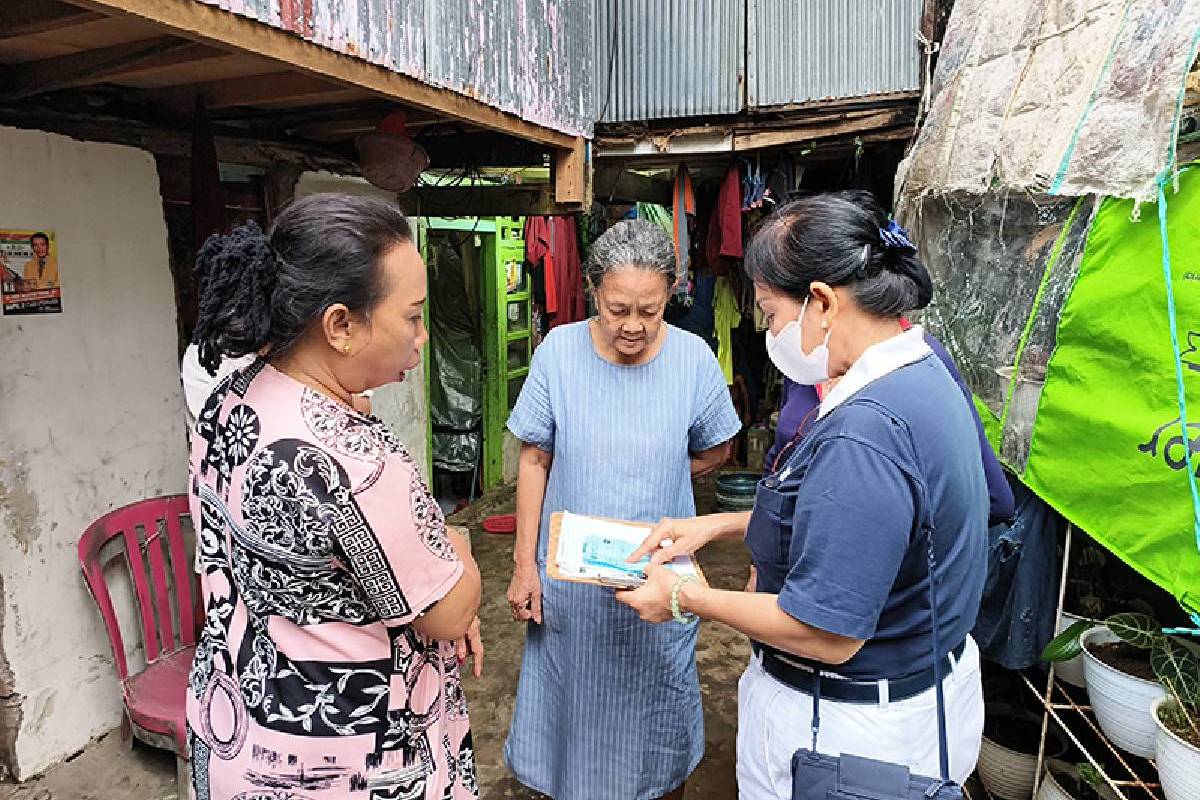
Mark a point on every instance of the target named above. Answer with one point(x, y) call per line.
point(884, 491)
point(616, 416)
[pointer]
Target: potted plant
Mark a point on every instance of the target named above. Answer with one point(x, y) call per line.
point(1064, 781)
point(1120, 678)
point(1008, 754)
point(1071, 670)
point(1177, 719)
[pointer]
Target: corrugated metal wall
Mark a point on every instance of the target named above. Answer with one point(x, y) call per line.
point(669, 58)
point(686, 58)
point(803, 50)
point(532, 58)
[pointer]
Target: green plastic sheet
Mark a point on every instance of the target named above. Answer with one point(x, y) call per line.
point(1107, 447)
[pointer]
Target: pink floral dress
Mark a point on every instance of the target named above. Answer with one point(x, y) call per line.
point(319, 544)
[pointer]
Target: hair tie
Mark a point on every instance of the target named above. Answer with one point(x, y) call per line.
point(894, 237)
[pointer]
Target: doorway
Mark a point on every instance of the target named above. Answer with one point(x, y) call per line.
point(480, 344)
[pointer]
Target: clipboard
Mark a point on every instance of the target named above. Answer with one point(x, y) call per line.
point(682, 564)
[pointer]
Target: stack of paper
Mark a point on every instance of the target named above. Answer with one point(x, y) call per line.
point(593, 550)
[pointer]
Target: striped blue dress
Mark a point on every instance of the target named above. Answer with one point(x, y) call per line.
point(609, 706)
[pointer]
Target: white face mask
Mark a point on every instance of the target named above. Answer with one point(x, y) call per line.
point(787, 353)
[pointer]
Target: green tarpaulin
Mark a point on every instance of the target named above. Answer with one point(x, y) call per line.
point(1107, 448)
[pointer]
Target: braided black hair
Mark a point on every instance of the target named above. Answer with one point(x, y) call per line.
point(259, 291)
point(842, 239)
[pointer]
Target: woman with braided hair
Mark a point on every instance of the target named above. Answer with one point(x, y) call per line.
point(338, 606)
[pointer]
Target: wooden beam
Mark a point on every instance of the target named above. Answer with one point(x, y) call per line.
point(205, 23)
point(480, 150)
point(106, 64)
point(618, 183)
point(277, 87)
point(752, 140)
point(160, 140)
point(571, 174)
point(481, 201)
point(33, 17)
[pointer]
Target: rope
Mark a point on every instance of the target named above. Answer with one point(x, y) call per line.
point(1179, 385)
point(1061, 176)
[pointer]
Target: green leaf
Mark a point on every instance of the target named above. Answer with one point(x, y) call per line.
point(1139, 630)
point(1177, 668)
point(1066, 645)
point(1089, 774)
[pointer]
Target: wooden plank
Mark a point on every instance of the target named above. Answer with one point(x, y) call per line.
point(571, 174)
point(274, 88)
point(219, 66)
point(485, 201)
point(759, 140)
point(103, 65)
point(159, 140)
point(36, 17)
point(619, 184)
point(201, 22)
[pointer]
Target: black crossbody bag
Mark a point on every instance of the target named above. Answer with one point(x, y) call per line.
point(847, 777)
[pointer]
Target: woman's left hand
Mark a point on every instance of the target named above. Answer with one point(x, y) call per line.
point(471, 645)
point(651, 600)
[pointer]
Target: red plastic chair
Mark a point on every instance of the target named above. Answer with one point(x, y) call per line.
point(160, 566)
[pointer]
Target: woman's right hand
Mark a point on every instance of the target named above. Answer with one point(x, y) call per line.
point(685, 537)
point(525, 594)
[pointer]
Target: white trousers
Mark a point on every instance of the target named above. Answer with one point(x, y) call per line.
point(775, 720)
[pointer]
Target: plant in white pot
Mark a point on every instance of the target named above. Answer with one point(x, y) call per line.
point(1121, 683)
point(1071, 670)
point(1177, 717)
point(1064, 781)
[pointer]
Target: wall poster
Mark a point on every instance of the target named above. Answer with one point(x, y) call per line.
point(29, 279)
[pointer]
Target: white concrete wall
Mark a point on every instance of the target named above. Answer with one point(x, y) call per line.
point(91, 418)
point(401, 405)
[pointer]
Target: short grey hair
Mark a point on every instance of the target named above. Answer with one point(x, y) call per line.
point(632, 244)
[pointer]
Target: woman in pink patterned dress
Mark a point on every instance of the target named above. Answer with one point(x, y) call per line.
point(337, 605)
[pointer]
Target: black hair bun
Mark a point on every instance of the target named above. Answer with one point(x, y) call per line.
point(237, 274)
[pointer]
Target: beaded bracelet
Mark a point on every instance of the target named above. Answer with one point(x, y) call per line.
point(679, 616)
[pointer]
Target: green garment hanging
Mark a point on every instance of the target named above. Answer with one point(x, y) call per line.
point(726, 317)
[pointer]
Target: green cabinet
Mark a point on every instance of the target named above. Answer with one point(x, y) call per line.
point(508, 339)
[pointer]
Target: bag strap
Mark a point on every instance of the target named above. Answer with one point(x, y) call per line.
point(943, 747)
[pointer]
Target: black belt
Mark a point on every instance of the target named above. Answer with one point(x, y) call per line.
point(847, 690)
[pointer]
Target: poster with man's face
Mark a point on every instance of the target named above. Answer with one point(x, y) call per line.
point(29, 278)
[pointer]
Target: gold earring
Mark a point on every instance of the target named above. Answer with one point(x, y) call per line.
point(347, 348)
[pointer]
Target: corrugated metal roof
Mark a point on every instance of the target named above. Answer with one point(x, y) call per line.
point(660, 59)
point(818, 49)
point(532, 58)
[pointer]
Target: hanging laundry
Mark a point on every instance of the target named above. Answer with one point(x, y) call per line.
point(698, 318)
point(538, 250)
point(725, 227)
point(726, 317)
point(683, 210)
point(1020, 603)
point(571, 306)
point(653, 212)
point(754, 188)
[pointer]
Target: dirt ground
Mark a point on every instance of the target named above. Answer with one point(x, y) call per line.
point(111, 770)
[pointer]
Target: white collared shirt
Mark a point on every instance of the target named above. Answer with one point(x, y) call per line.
point(875, 362)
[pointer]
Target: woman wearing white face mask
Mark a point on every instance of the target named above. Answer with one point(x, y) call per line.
point(841, 532)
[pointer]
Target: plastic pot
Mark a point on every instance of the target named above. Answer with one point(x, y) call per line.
point(1009, 774)
point(736, 490)
point(1121, 702)
point(1178, 761)
point(1070, 671)
point(1051, 787)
